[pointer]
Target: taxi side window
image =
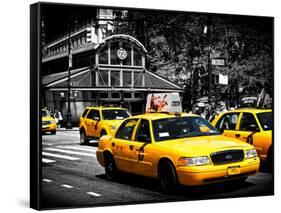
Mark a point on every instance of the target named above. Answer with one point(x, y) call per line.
point(85, 113)
point(248, 123)
point(94, 115)
point(227, 122)
point(125, 131)
point(143, 132)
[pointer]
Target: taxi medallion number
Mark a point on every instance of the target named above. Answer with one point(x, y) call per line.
point(233, 171)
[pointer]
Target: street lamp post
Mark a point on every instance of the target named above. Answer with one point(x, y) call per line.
point(68, 116)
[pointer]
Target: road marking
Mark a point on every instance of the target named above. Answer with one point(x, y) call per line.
point(45, 160)
point(47, 180)
point(67, 186)
point(69, 152)
point(47, 144)
point(92, 149)
point(93, 194)
point(60, 156)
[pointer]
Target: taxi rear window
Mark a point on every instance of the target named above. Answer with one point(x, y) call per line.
point(181, 127)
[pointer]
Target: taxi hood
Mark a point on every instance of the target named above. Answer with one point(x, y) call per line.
point(112, 122)
point(204, 145)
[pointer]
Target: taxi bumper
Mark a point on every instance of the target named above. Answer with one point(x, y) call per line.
point(49, 127)
point(214, 174)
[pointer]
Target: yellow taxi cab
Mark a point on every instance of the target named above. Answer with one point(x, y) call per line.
point(176, 148)
point(253, 126)
point(48, 122)
point(98, 121)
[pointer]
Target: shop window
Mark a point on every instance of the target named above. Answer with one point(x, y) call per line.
point(138, 95)
point(127, 80)
point(137, 79)
point(115, 78)
point(127, 95)
point(137, 58)
point(115, 95)
point(103, 77)
point(103, 56)
point(103, 95)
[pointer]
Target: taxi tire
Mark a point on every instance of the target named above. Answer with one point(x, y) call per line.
point(110, 167)
point(168, 178)
point(83, 138)
point(53, 132)
point(269, 159)
point(102, 133)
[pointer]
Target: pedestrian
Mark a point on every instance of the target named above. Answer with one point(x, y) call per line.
point(58, 118)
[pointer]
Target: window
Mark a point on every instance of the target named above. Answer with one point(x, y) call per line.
point(248, 123)
point(117, 114)
point(115, 78)
point(103, 95)
point(143, 133)
point(115, 95)
point(228, 121)
point(265, 119)
point(127, 95)
point(103, 77)
point(113, 53)
point(85, 113)
point(138, 95)
point(127, 60)
point(103, 56)
point(94, 115)
point(126, 129)
point(137, 58)
point(127, 79)
point(137, 79)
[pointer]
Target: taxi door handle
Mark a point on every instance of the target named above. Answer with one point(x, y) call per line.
point(113, 144)
point(131, 147)
point(237, 135)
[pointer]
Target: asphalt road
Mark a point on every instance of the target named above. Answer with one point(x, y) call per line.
point(72, 177)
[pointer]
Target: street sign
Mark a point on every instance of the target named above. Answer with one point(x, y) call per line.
point(215, 55)
point(223, 79)
point(218, 62)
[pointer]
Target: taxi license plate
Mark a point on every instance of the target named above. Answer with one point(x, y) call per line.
point(44, 126)
point(233, 171)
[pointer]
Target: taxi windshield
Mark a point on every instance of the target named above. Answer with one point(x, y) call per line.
point(45, 113)
point(115, 114)
point(265, 119)
point(182, 127)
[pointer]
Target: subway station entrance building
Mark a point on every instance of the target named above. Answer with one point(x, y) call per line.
point(116, 74)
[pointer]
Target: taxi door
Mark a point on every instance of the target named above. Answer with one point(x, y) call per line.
point(141, 152)
point(120, 144)
point(91, 122)
point(227, 124)
point(249, 131)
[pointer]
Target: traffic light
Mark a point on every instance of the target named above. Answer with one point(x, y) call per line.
point(91, 36)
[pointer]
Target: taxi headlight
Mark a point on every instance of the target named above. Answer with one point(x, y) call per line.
point(195, 161)
point(251, 153)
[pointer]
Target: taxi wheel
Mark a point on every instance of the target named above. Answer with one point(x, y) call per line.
point(110, 167)
point(53, 132)
point(83, 138)
point(102, 133)
point(168, 178)
point(269, 160)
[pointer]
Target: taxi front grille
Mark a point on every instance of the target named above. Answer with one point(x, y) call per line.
point(228, 156)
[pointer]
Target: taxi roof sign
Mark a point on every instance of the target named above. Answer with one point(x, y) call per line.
point(163, 102)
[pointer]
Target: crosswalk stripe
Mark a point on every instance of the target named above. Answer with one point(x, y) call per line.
point(47, 144)
point(45, 160)
point(69, 152)
point(93, 194)
point(67, 186)
point(92, 149)
point(60, 156)
point(47, 180)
